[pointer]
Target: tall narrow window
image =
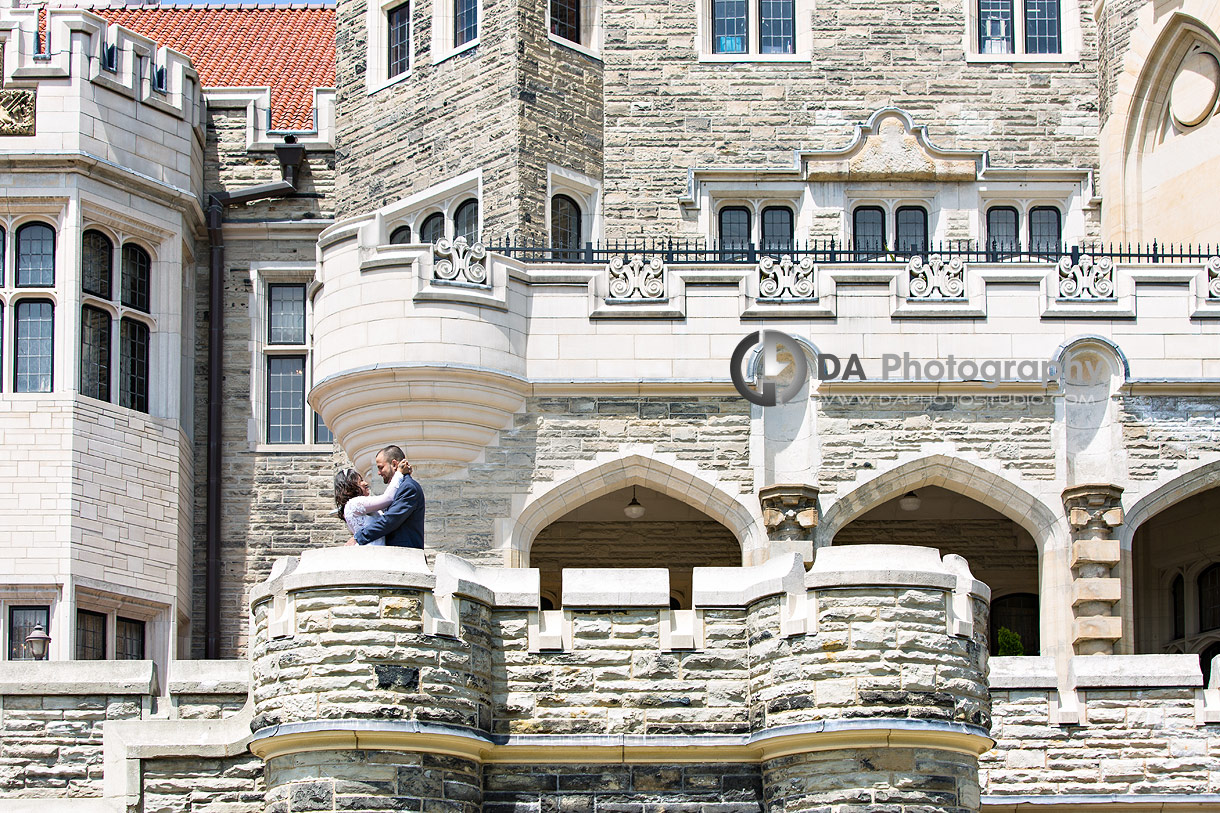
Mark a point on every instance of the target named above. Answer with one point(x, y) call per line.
point(128, 639)
point(868, 232)
point(778, 229)
point(3, 246)
point(911, 230)
point(286, 314)
point(90, 636)
point(286, 399)
point(97, 264)
point(95, 353)
point(1001, 232)
point(565, 19)
point(465, 21)
point(433, 229)
point(996, 35)
point(777, 26)
point(1045, 232)
point(1205, 660)
point(1042, 27)
point(36, 255)
point(730, 26)
point(1209, 599)
point(321, 433)
point(34, 330)
point(1177, 601)
point(21, 622)
point(398, 20)
point(565, 228)
point(466, 221)
point(1017, 612)
point(137, 270)
point(734, 232)
point(133, 365)
point(400, 236)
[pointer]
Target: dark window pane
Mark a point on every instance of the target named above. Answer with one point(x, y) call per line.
point(465, 21)
point(286, 314)
point(399, 22)
point(868, 232)
point(35, 327)
point(777, 26)
point(729, 26)
point(912, 230)
point(90, 636)
point(1019, 613)
point(433, 228)
point(565, 228)
point(3, 248)
point(466, 221)
point(36, 255)
point(97, 264)
point(1045, 234)
point(137, 271)
point(95, 353)
point(1001, 232)
point(1177, 598)
point(565, 19)
point(1205, 660)
point(1209, 599)
point(128, 639)
point(321, 434)
point(777, 229)
point(1042, 27)
point(21, 622)
point(133, 365)
point(286, 399)
point(995, 27)
point(734, 234)
point(400, 236)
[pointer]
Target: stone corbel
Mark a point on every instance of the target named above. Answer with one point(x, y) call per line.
point(283, 622)
point(959, 612)
point(1093, 512)
point(550, 630)
point(441, 615)
point(681, 629)
point(798, 614)
point(790, 514)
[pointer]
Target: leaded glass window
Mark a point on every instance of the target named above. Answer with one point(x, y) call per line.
point(400, 236)
point(1001, 232)
point(465, 21)
point(734, 231)
point(35, 327)
point(777, 26)
point(133, 365)
point(466, 221)
point(868, 232)
point(911, 230)
point(1042, 27)
point(777, 229)
point(36, 255)
point(128, 639)
point(1045, 231)
point(565, 19)
point(730, 26)
point(90, 636)
point(565, 227)
point(95, 353)
point(286, 314)
point(996, 34)
point(321, 433)
point(21, 622)
point(399, 23)
point(137, 271)
point(433, 229)
point(97, 264)
point(1209, 599)
point(285, 399)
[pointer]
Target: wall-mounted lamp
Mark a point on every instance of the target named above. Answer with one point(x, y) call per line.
point(634, 510)
point(37, 641)
point(909, 501)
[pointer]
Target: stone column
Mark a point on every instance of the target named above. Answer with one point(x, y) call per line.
point(1094, 511)
point(790, 512)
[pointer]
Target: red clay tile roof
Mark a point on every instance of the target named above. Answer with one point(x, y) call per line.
point(289, 49)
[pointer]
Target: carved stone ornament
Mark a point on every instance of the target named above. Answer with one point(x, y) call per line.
point(1087, 279)
point(16, 112)
point(1213, 277)
point(637, 278)
point(1096, 507)
point(938, 278)
point(460, 262)
point(790, 512)
point(786, 278)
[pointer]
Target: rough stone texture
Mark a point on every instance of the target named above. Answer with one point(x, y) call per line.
point(1014, 433)
point(373, 780)
point(680, 546)
point(1115, 23)
point(208, 706)
point(1162, 434)
point(231, 785)
point(51, 747)
point(617, 788)
point(872, 780)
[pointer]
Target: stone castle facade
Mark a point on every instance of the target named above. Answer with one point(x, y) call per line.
point(245, 246)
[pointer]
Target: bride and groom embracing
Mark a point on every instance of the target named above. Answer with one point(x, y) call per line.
point(395, 517)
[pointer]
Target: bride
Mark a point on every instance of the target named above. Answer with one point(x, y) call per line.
point(354, 502)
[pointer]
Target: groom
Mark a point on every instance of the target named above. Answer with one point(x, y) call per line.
point(402, 524)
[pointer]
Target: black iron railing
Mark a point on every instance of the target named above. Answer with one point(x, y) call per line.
point(702, 252)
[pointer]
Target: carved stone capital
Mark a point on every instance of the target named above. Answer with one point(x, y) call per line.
point(16, 112)
point(1095, 506)
point(790, 511)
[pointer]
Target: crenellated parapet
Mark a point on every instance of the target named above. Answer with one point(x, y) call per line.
point(367, 658)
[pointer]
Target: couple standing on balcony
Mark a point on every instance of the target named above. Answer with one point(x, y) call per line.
point(395, 517)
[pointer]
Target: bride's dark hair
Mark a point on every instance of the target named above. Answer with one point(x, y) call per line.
point(347, 485)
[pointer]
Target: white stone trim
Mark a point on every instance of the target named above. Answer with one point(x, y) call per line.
point(590, 30)
point(443, 197)
point(585, 190)
point(377, 44)
point(443, 21)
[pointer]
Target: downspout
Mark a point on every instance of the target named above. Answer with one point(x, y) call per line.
point(290, 155)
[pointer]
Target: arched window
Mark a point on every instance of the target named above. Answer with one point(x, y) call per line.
point(433, 229)
point(1209, 598)
point(97, 264)
point(466, 221)
point(911, 230)
point(565, 228)
point(36, 255)
point(1001, 232)
point(1177, 598)
point(1018, 613)
point(734, 232)
point(137, 270)
point(34, 329)
point(400, 236)
point(778, 229)
point(133, 365)
point(1205, 661)
point(95, 353)
point(1045, 232)
point(868, 232)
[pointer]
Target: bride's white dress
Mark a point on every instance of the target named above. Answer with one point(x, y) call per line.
point(360, 510)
